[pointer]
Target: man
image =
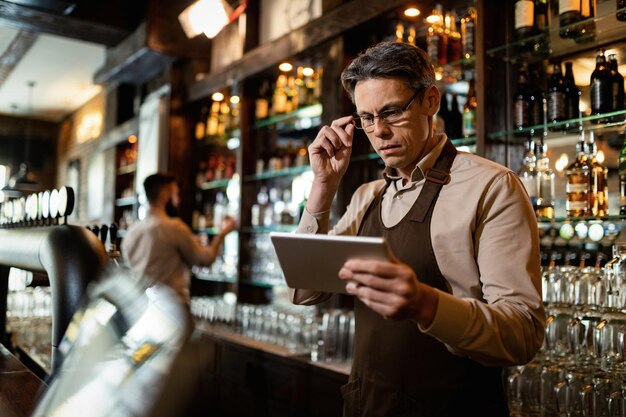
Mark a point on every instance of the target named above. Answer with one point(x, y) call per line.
point(463, 294)
point(161, 247)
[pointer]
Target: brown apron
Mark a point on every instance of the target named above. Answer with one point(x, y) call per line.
point(397, 370)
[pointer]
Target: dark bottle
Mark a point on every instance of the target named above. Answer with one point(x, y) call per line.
point(455, 129)
point(621, 14)
point(569, 14)
point(556, 97)
point(541, 25)
point(572, 94)
point(601, 87)
point(587, 29)
point(468, 24)
point(617, 87)
point(524, 18)
point(444, 113)
point(539, 114)
point(522, 103)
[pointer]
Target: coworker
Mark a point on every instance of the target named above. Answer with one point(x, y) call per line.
point(462, 297)
point(161, 247)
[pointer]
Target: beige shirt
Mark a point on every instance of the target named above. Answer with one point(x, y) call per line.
point(485, 238)
point(163, 249)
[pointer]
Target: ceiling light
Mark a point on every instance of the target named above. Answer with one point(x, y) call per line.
point(217, 96)
point(285, 67)
point(308, 71)
point(209, 17)
point(412, 12)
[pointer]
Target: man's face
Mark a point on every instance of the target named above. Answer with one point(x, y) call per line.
point(401, 144)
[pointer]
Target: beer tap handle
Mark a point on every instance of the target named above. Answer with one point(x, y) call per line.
point(104, 231)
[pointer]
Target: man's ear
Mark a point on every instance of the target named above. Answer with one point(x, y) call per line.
point(431, 100)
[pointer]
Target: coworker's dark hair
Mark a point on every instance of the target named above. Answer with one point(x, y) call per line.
point(153, 184)
point(390, 60)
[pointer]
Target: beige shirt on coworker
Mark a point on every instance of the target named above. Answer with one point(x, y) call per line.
point(485, 238)
point(163, 249)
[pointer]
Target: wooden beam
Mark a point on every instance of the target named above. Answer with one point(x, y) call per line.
point(337, 21)
point(34, 20)
point(15, 52)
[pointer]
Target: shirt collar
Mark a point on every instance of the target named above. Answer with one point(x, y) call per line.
point(423, 165)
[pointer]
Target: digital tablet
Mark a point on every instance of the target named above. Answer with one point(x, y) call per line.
point(312, 262)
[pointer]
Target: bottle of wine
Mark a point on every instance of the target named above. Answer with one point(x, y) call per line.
point(455, 127)
point(556, 97)
point(433, 38)
point(587, 28)
point(545, 184)
point(454, 39)
point(528, 171)
point(572, 94)
point(569, 14)
point(443, 115)
point(617, 88)
point(469, 111)
point(598, 190)
point(522, 102)
point(622, 180)
point(621, 14)
point(542, 26)
point(601, 87)
point(524, 21)
point(577, 183)
point(467, 33)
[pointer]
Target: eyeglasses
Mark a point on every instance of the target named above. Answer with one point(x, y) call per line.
point(389, 116)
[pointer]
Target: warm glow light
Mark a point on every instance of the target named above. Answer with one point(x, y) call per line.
point(600, 157)
point(412, 12)
point(234, 99)
point(89, 127)
point(285, 67)
point(582, 106)
point(217, 96)
point(132, 139)
point(438, 75)
point(308, 71)
point(205, 16)
point(432, 19)
point(561, 163)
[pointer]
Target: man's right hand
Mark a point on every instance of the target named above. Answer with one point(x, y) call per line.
point(329, 154)
point(228, 225)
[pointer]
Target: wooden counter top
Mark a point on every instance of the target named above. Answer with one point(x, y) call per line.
point(19, 387)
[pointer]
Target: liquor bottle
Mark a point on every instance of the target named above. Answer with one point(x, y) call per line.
point(578, 183)
point(556, 97)
point(524, 21)
point(572, 94)
point(469, 111)
point(569, 14)
point(443, 36)
point(587, 29)
point(542, 25)
point(622, 180)
point(617, 88)
point(621, 14)
point(434, 37)
point(454, 40)
point(279, 100)
point(455, 128)
point(468, 24)
point(598, 189)
point(522, 102)
point(528, 171)
point(539, 114)
point(601, 88)
point(545, 184)
point(443, 115)
point(262, 103)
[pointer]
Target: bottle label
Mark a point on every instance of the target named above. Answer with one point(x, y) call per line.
point(524, 13)
point(595, 91)
point(530, 184)
point(569, 6)
point(576, 188)
point(520, 113)
point(469, 123)
point(575, 205)
point(556, 106)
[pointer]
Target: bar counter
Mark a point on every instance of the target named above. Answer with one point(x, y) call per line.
point(19, 387)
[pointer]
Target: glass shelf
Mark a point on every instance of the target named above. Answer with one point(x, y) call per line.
point(204, 276)
point(607, 29)
point(264, 284)
point(267, 229)
point(279, 173)
point(614, 218)
point(127, 169)
point(310, 112)
point(126, 201)
point(571, 125)
point(210, 185)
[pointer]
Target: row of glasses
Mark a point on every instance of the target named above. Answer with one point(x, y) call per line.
point(264, 264)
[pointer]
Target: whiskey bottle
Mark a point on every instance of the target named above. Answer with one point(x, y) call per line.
point(598, 189)
point(556, 97)
point(528, 172)
point(454, 40)
point(577, 183)
point(587, 29)
point(541, 21)
point(601, 87)
point(469, 112)
point(545, 184)
point(524, 21)
point(622, 180)
point(569, 15)
point(617, 88)
point(522, 102)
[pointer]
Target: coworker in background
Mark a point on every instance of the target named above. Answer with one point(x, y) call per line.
point(463, 295)
point(162, 247)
